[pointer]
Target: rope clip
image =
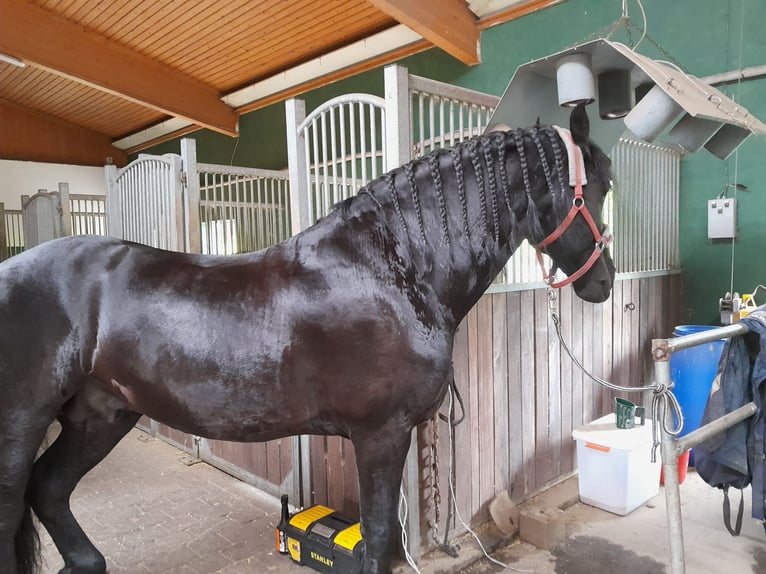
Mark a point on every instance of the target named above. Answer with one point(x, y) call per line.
point(553, 300)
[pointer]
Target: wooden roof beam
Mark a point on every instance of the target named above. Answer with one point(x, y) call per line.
point(39, 38)
point(448, 24)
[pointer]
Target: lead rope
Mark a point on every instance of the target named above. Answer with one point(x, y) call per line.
point(663, 394)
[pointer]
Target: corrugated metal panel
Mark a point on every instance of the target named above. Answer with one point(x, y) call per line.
point(645, 219)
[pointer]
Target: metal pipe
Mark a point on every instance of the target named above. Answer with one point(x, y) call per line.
point(741, 74)
point(686, 341)
point(714, 427)
point(672, 447)
point(670, 470)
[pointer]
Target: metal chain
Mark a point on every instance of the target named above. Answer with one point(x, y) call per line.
point(625, 21)
point(436, 496)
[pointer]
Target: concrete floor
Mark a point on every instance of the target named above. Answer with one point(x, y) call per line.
point(151, 513)
point(601, 542)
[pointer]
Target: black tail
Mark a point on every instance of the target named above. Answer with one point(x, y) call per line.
point(27, 544)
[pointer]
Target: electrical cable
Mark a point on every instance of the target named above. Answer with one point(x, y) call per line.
point(643, 32)
point(402, 521)
point(234, 151)
point(736, 152)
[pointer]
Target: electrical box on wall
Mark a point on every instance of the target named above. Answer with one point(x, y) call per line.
point(722, 218)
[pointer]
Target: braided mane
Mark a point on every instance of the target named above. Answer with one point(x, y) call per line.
point(486, 157)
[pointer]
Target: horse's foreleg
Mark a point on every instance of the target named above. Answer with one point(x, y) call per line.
point(380, 460)
point(85, 439)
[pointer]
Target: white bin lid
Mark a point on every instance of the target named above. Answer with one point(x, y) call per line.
point(604, 432)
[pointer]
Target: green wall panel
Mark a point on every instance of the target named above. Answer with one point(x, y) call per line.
point(705, 36)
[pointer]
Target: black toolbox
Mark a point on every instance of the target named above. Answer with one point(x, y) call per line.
point(322, 539)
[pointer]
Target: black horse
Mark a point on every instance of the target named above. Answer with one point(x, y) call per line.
point(364, 304)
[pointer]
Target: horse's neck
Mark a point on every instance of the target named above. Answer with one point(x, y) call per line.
point(456, 227)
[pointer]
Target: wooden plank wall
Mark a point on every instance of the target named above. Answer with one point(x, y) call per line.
point(523, 395)
point(334, 481)
point(267, 465)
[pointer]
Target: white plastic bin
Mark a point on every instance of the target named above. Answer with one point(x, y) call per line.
point(615, 467)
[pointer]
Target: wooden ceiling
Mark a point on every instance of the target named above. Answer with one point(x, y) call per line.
point(96, 72)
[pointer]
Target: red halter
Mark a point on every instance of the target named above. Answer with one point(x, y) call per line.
point(578, 206)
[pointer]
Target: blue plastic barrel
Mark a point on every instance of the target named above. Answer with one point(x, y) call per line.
point(693, 371)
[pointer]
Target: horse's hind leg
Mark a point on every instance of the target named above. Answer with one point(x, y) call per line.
point(92, 423)
point(380, 460)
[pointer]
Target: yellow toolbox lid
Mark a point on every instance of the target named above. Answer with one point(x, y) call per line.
point(302, 520)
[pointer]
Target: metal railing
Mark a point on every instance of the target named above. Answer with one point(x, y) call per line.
point(242, 209)
point(443, 115)
point(344, 141)
point(673, 447)
point(13, 225)
point(88, 214)
point(145, 201)
point(645, 211)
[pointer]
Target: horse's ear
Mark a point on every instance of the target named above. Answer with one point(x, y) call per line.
point(579, 125)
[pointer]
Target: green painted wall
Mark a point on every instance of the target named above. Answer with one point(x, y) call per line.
point(705, 36)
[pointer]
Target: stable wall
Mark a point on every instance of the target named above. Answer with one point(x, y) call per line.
point(19, 178)
point(706, 36)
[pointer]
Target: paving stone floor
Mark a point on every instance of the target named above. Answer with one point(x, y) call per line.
point(150, 513)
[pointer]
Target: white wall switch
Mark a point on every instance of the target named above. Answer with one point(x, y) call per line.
point(722, 218)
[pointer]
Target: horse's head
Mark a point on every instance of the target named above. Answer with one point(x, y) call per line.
point(575, 236)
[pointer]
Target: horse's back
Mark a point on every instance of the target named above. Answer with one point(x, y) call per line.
point(54, 257)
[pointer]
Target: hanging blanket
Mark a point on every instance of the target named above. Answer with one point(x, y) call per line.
point(735, 458)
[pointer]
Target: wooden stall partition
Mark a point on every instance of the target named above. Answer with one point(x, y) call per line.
point(523, 395)
point(266, 465)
